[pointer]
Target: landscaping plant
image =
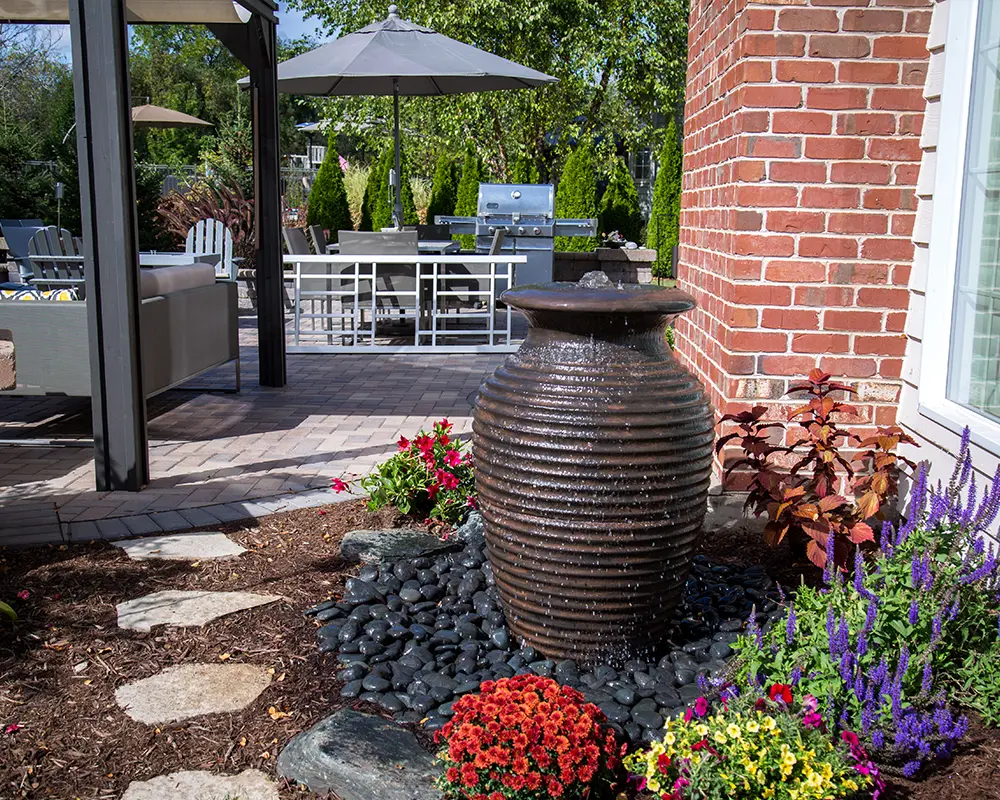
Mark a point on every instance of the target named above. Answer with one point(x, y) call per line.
point(913, 635)
point(468, 193)
point(619, 210)
point(328, 206)
point(210, 200)
point(428, 477)
point(803, 501)
point(376, 208)
point(523, 738)
point(754, 747)
point(576, 197)
point(444, 192)
point(663, 230)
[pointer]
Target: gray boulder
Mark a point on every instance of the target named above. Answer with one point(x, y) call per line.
point(379, 547)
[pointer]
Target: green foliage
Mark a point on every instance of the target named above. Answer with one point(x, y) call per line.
point(444, 194)
point(7, 611)
point(328, 206)
point(670, 336)
point(25, 191)
point(576, 196)
point(356, 183)
point(663, 231)
point(228, 156)
point(524, 169)
point(619, 64)
point(376, 209)
point(430, 477)
point(619, 209)
point(468, 193)
point(153, 234)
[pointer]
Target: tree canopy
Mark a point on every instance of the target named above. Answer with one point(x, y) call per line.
point(620, 63)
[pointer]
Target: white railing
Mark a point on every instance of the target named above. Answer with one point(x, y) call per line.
point(349, 303)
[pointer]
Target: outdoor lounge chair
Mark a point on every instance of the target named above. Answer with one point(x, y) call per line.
point(212, 236)
point(318, 238)
point(63, 269)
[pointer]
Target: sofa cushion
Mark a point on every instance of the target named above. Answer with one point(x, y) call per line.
point(30, 293)
point(164, 280)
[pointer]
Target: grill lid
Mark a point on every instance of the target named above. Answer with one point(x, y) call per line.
point(524, 199)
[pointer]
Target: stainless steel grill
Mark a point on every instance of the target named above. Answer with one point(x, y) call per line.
point(526, 212)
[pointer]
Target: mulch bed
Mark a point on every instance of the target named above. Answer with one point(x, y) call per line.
point(62, 661)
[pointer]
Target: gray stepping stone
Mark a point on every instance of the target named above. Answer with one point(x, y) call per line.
point(191, 690)
point(360, 757)
point(185, 609)
point(202, 545)
point(250, 784)
point(378, 547)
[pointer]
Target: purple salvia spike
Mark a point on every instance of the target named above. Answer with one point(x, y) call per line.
point(790, 625)
point(829, 569)
point(926, 679)
point(862, 644)
point(870, 615)
point(914, 613)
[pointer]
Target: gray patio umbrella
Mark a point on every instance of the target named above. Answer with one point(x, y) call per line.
point(396, 57)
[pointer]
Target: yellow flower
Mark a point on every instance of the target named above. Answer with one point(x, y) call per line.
point(849, 784)
point(827, 771)
point(701, 730)
point(733, 731)
point(768, 724)
point(669, 739)
point(720, 737)
point(753, 726)
point(787, 756)
point(814, 781)
point(768, 791)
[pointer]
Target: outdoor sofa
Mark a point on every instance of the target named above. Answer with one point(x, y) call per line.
point(188, 324)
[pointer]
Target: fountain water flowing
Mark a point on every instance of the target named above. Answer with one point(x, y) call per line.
point(593, 451)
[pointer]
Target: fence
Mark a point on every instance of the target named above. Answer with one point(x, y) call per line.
point(450, 301)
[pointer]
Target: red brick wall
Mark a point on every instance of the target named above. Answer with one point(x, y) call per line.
point(801, 151)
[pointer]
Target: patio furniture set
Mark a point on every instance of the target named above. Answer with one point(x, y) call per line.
point(188, 314)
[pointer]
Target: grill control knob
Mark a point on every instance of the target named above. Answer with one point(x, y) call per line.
point(520, 231)
point(537, 231)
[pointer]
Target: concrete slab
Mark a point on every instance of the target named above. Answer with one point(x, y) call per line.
point(182, 609)
point(182, 546)
point(191, 690)
point(251, 784)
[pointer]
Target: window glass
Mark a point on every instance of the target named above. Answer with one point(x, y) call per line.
point(974, 365)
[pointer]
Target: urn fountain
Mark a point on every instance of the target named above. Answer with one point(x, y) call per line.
point(593, 452)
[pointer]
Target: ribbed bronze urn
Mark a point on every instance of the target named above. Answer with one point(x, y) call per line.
point(593, 450)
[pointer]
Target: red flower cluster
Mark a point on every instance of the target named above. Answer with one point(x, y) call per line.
point(524, 737)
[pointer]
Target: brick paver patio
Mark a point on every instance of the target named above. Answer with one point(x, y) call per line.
point(217, 457)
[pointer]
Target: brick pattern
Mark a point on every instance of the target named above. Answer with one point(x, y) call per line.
point(802, 150)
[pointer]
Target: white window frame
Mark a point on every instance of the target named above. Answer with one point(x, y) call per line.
point(956, 98)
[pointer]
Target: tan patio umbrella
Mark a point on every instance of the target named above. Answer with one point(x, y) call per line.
point(158, 117)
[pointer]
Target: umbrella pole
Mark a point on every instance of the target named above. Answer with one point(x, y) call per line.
point(397, 211)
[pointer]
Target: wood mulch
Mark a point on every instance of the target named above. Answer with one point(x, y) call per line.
point(62, 661)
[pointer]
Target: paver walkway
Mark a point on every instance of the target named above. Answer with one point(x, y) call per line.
point(219, 457)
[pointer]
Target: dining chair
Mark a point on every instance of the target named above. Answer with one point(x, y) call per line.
point(396, 283)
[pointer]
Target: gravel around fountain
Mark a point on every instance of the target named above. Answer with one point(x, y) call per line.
point(415, 634)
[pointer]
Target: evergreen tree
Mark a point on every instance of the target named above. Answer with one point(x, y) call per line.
point(620, 204)
point(25, 191)
point(576, 196)
point(524, 169)
point(444, 194)
point(468, 193)
point(663, 231)
point(376, 209)
point(328, 206)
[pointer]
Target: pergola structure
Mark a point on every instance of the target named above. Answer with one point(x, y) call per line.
point(99, 33)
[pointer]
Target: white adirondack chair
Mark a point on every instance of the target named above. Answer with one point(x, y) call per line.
point(212, 236)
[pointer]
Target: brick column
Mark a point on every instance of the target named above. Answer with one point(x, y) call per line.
point(801, 153)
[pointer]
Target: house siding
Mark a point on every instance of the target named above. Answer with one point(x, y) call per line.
point(938, 442)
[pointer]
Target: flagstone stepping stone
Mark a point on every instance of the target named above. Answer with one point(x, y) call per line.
point(395, 544)
point(182, 609)
point(251, 784)
point(360, 757)
point(191, 690)
point(199, 545)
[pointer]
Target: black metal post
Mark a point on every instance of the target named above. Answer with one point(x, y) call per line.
point(99, 34)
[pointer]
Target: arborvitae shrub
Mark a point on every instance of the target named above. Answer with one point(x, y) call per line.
point(376, 209)
point(663, 231)
point(576, 196)
point(444, 192)
point(328, 206)
point(468, 193)
point(620, 204)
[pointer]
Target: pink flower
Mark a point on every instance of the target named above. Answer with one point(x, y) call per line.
point(432, 490)
point(23, 594)
point(339, 486)
point(403, 443)
point(446, 479)
point(344, 165)
point(321, 512)
point(444, 425)
point(453, 458)
point(688, 715)
point(850, 737)
point(425, 444)
point(471, 501)
point(12, 728)
point(701, 706)
point(809, 704)
point(813, 720)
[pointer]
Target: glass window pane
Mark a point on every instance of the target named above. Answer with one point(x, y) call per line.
point(974, 365)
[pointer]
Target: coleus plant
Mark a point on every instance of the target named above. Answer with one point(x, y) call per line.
point(803, 500)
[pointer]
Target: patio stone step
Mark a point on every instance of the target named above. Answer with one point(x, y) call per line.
point(185, 609)
point(201, 545)
point(250, 784)
point(191, 690)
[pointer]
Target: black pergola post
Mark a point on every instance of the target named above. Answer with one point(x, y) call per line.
point(256, 45)
point(99, 33)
